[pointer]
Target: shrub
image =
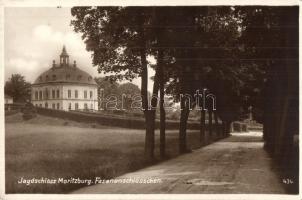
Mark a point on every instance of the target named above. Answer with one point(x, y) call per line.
point(29, 111)
point(240, 127)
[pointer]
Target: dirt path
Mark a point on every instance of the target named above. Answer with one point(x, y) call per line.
point(237, 164)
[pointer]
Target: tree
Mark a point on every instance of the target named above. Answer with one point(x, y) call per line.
point(126, 93)
point(107, 88)
point(202, 47)
point(18, 88)
point(119, 39)
point(270, 35)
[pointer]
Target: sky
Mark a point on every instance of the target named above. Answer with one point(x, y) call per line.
point(34, 36)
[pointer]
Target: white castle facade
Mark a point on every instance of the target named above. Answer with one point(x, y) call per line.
point(65, 87)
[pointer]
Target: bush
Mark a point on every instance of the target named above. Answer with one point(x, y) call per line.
point(110, 120)
point(239, 127)
point(29, 111)
point(65, 123)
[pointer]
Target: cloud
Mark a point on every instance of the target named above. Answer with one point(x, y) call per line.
point(52, 39)
point(25, 67)
point(35, 36)
point(45, 33)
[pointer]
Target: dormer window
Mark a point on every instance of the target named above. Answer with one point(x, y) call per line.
point(46, 77)
point(79, 77)
point(54, 77)
point(40, 78)
point(89, 78)
point(67, 76)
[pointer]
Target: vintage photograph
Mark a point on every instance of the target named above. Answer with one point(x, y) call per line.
point(151, 100)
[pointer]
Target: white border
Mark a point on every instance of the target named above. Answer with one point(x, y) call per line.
point(47, 3)
point(70, 3)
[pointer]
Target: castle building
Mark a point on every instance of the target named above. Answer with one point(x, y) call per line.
point(65, 87)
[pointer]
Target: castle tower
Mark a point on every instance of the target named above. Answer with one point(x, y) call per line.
point(64, 57)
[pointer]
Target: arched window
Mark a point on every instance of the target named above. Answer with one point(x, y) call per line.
point(54, 77)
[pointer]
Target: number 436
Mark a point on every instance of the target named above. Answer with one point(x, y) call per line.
point(287, 181)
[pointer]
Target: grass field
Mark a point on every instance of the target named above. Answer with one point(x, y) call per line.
point(55, 148)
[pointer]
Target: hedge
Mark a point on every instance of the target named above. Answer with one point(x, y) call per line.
point(129, 122)
point(240, 127)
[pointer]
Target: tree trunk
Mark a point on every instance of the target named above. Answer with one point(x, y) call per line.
point(227, 128)
point(210, 125)
point(149, 114)
point(149, 138)
point(150, 121)
point(217, 128)
point(162, 109)
point(202, 127)
point(183, 126)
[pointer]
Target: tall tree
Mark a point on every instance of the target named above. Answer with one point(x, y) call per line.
point(17, 88)
point(119, 38)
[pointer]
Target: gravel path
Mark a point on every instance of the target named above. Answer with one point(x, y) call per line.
point(237, 164)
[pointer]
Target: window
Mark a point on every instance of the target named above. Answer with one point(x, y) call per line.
point(46, 105)
point(36, 95)
point(85, 106)
point(36, 105)
point(76, 106)
point(91, 95)
point(40, 78)
point(91, 106)
point(75, 94)
point(69, 94)
point(46, 94)
point(53, 106)
point(89, 78)
point(40, 95)
point(85, 94)
point(69, 106)
point(53, 94)
point(67, 76)
point(79, 77)
point(58, 94)
point(40, 105)
point(58, 106)
point(54, 77)
point(47, 78)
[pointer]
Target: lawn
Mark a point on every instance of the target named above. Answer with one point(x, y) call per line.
point(55, 148)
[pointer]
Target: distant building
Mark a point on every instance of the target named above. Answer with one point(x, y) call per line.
point(8, 99)
point(65, 87)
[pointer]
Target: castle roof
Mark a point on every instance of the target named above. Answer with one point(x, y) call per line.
point(65, 73)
